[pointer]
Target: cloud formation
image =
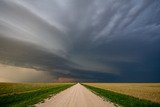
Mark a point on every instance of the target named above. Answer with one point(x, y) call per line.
point(19, 74)
point(116, 40)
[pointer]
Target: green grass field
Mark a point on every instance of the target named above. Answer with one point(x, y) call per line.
point(122, 99)
point(26, 94)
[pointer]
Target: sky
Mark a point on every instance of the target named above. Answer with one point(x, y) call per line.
point(82, 40)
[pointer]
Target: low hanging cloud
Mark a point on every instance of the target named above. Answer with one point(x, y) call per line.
point(116, 40)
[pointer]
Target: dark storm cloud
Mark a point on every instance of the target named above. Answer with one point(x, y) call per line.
point(94, 40)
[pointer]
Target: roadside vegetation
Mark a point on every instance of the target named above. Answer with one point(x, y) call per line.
point(24, 95)
point(122, 99)
point(148, 91)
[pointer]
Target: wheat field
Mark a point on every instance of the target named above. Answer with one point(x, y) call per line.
point(148, 91)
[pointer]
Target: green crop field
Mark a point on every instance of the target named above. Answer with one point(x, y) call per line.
point(120, 98)
point(26, 94)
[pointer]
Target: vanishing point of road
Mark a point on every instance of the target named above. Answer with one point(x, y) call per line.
point(75, 96)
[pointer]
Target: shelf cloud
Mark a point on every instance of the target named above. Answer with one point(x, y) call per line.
point(86, 40)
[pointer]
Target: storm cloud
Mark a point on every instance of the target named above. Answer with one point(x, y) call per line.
point(85, 40)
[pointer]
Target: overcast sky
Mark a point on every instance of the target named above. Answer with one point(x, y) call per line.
point(93, 40)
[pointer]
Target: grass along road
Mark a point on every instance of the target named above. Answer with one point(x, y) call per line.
point(23, 95)
point(148, 91)
point(122, 99)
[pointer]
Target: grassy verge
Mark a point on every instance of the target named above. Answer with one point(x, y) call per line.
point(147, 91)
point(122, 99)
point(25, 99)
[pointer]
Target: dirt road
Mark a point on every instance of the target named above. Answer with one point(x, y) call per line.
point(76, 96)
